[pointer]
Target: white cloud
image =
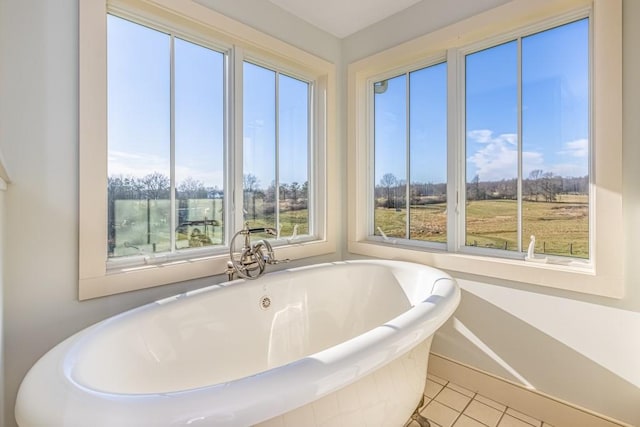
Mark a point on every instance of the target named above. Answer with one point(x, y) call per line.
point(569, 169)
point(498, 158)
point(578, 148)
point(136, 164)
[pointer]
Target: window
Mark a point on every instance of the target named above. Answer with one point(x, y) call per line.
point(165, 141)
point(531, 120)
point(526, 112)
point(276, 147)
point(527, 143)
point(410, 131)
point(191, 125)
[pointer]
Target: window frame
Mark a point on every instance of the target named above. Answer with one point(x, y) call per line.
point(518, 36)
point(602, 275)
point(312, 106)
point(99, 276)
point(434, 60)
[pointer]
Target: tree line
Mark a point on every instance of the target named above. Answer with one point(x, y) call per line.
point(542, 186)
point(157, 186)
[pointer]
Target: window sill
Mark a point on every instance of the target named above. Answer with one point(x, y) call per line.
point(582, 279)
point(147, 276)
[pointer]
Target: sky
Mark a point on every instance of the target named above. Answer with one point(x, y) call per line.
point(555, 117)
point(555, 121)
point(139, 99)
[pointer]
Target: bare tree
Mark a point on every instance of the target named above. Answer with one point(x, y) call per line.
point(192, 188)
point(389, 181)
point(251, 188)
point(156, 186)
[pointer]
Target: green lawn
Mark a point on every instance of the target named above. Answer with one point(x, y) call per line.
point(561, 228)
point(144, 227)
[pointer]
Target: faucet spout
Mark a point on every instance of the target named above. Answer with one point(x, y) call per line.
point(253, 257)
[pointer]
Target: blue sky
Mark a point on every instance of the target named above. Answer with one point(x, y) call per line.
point(555, 123)
point(139, 111)
point(259, 124)
point(554, 127)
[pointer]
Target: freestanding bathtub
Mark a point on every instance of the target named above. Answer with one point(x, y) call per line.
point(326, 345)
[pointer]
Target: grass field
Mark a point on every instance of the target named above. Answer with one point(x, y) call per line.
point(561, 228)
point(144, 227)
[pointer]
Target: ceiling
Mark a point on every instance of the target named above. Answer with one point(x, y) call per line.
point(343, 17)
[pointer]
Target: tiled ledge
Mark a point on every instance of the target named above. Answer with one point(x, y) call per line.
point(456, 384)
point(448, 404)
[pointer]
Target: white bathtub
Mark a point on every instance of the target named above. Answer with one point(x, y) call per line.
point(331, 344)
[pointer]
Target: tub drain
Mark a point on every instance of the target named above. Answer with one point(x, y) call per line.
point(265, 302)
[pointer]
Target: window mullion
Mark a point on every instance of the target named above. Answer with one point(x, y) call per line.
point(172, 146)
point(311, 155)
point(455, 151)
point(228, 145)
point(519, 146)
point(277, 154)
point(408, 155)
point(236, 149)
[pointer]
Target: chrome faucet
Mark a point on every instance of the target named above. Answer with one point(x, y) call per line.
point(253, 257)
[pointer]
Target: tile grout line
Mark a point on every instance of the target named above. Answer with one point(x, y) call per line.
point(475, 394)
point(504, 411)
point(464, 409)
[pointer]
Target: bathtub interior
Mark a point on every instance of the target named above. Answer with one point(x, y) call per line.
point(223, 333)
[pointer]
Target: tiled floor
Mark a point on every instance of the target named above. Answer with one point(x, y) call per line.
point(449, 405)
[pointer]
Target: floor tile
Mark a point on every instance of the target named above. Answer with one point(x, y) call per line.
point(483, 413)
point(439, 413)
point(509, 421)
point(461, 390)
point(465, 421)
point(499, 406)
point(432, 389)
point(437, 379)
point(524, 417)
point(453, 399)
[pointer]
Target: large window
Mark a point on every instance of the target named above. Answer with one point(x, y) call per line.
point(527, 143)
point(410, 134)
point(526, 147)
point(166, 142)
point(276, 150)
point(191, 125)
point(507, 164)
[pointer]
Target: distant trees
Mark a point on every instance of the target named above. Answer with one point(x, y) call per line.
point(191, 188)
point(390, 192)
point(544, 185)
point(157, 186)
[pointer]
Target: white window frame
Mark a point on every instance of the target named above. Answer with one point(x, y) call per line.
point(603, 274)
point(99, 276)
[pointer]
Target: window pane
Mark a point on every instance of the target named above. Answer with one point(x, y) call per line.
point(259, 105)
point(138, 139)
point(293, 142)
point(428, 135)
point(199, 138)
point(555, 131)
point(492, 147)
point(390, 133)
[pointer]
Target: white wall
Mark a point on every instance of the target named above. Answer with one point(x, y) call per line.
point(2, 411)
point(39, 139)
point(579, 348)
point(38, 135)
